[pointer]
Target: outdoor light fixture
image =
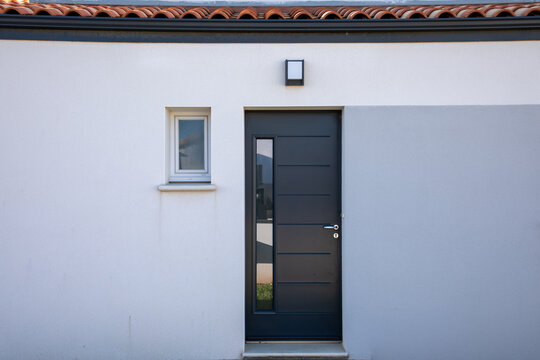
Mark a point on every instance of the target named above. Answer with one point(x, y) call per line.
point(294, 72)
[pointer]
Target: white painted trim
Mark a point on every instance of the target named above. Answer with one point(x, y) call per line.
point(174, 175)
point(186, 187)
point(181, 172)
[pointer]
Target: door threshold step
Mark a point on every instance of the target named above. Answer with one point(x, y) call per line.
point(294, 350)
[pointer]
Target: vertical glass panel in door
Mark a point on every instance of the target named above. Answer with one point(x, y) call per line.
point(264, 208)
point(190, 144)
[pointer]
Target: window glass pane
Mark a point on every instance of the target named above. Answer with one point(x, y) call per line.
point(191, 144)
point(264, 180)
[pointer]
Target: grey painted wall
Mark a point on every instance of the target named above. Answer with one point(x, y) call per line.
point(441, 235)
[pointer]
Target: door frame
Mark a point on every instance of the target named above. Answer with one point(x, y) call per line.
point(250, 209)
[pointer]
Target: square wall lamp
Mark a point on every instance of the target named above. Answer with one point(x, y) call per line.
point(294, 72)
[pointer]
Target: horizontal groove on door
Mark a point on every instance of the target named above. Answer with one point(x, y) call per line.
point(304, 253)
point(310, 224)
point(321, 165)
point(303, 136)
point(303, 194)
point(314, 312)
point(304, 283)
point(308, 313)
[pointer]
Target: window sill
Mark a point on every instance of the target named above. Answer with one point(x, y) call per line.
point(187, 187)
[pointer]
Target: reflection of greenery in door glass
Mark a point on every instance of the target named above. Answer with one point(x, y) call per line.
point(265, 296)
point(264, 211)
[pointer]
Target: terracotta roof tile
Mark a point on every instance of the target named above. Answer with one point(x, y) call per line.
point(352, 13)
point(274, 13)
point(413, 14)
point(164, 14)
point(109, 13)
point(469, 13)
point(79, 12)
point(382, 14)
point(222, 13)
point(497, 12)
point(195, 13)
point(531, 11)
point(441, 14)
point(135, 13)
point(299, 13)
point(24, 7)
point(326, 13)
point(248, 13)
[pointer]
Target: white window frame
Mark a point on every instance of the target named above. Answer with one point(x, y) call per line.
point(175, 174)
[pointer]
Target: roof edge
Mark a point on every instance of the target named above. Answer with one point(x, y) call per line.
point(278, 2)
point(371, 25)
point(51, 28)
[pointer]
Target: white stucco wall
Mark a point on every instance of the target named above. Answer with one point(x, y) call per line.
point(96, 263)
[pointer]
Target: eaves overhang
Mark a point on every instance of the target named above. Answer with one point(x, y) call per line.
point(260, 30)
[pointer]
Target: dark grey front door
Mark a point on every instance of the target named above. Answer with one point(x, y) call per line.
point(293, 235)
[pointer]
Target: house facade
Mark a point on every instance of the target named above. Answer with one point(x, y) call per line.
point(166, 195)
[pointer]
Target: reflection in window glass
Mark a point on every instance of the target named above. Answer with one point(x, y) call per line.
point(265, 218)
point(190, 144)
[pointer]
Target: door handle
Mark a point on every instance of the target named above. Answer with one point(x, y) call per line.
point(331, 227)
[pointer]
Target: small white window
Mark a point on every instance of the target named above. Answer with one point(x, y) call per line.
point(189, 155)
